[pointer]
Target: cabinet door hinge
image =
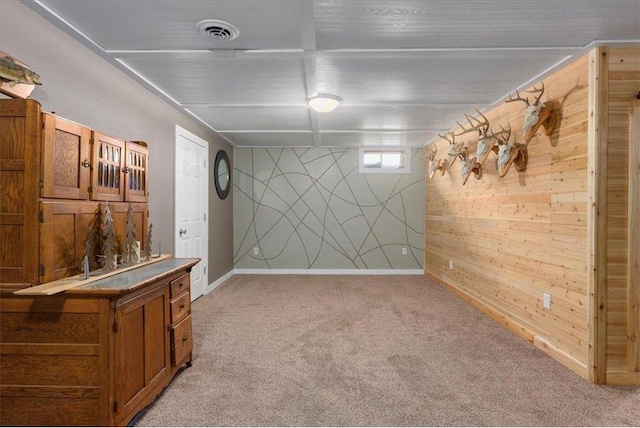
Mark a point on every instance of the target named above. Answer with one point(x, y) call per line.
point(41, 270)
point(115, 407)
point(41, 184)
point(90, 189)
point(41, 216)
point(115, 326)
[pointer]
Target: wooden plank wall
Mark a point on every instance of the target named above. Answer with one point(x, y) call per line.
point(622, 285)
point(512, 239)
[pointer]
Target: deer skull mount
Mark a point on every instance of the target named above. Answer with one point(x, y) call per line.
point(485, 144)
point(537, 113)
point(509, 153)
point(435, 164)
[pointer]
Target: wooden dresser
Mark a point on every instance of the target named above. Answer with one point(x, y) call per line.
point(96, 354)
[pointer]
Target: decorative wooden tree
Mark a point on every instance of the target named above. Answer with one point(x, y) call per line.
point(110, 243)
point(147, 244)
point(129, 257)
point(92, 242)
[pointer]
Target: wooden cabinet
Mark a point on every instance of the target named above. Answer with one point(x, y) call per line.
point(66, 158)
point(54, 176)
point(142, 349)
point(181, 334)
point(20, 155)
point(119, 170)
point(135, 169)
point(107, 175)
point(61, 251)
point(96, 354)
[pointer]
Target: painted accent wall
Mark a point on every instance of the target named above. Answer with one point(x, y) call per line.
point(560, 227)
point(310, 208)
point(81, 86)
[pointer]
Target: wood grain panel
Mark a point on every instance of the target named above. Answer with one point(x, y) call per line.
point(66, 147)
point(48, 327)
point(41, 411)
point(513, 239)
point(19, 184)
point(133, 371)
point(66, 370)
point(597, 214)
point(155, 339)
point(622, 315)
point(633, 279)
point(563, 227)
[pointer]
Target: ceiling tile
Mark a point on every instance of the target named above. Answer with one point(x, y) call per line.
point(225, 119)
point(270, 139)
point(170, 24)
point(204, 78)
point(339, 139)
point(468, 77)
point(393, 118)
point(472, 23)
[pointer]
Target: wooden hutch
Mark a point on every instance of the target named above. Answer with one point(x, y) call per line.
point(97, 353)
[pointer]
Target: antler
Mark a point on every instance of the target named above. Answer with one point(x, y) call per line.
point(536, 90)
point(431, 151)
point(526, 100)
point(450, 141)
point(480, 125)
point(455, 149)
point(502, 131)
point(517, 98)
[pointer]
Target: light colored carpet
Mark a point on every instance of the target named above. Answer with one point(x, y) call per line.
point(293, 350)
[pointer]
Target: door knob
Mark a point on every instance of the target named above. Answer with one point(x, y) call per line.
point(182, 232)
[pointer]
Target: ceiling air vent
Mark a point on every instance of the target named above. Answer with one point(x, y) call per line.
point(217, 30)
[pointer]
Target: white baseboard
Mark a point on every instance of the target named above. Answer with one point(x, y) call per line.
point(329, 271)
point(218, 281)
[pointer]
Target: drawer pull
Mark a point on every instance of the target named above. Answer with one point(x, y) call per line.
point(185, 338)
point(86, 163)
point(182, 306)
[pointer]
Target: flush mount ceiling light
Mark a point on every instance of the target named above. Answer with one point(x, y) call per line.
point(324, 103)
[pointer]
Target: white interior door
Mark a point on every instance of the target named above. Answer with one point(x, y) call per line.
point(192, 204)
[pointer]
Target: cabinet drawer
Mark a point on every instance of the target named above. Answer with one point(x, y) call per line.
point(180, 285)
point(180, 307)
point(181, 341)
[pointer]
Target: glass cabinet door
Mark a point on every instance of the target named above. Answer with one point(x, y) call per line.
point(136, 172)
point(107, 176)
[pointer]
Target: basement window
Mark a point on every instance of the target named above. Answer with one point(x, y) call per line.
point(394, 160)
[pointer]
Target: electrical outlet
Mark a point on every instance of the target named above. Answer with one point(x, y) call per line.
point(256, 251)
point(404, 251)
point(546, 301)
point(450, 264)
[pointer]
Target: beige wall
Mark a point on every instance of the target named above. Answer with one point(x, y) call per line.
point(81, 86)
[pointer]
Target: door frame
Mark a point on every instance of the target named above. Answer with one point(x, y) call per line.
point(181, 132)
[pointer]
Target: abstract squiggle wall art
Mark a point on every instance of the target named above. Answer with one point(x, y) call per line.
point(310, 208)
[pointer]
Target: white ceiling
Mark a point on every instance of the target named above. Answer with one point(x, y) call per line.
point(406, 70)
